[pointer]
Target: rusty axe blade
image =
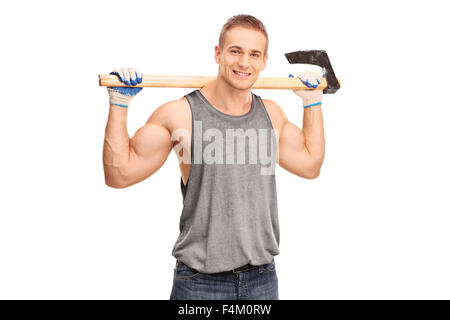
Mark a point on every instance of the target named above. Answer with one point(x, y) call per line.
point(318, 58)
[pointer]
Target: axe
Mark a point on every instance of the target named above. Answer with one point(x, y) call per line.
point(328, 83)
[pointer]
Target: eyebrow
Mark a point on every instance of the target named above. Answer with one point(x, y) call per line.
point(237, 47)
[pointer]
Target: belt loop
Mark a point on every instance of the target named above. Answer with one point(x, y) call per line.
point(261, 269)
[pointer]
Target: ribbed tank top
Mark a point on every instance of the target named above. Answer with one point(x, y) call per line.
point(230, 215)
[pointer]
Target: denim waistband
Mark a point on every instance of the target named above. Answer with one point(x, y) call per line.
point(243, 268)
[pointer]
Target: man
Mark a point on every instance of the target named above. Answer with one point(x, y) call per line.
point(227, 140)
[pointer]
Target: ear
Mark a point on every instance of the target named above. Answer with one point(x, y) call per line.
point(217, 54)
point(265, 62)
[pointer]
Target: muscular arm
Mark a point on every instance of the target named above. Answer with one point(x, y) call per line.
point(128, 161)
point(302, 151)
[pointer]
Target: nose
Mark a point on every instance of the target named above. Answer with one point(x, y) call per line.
point(243, 61)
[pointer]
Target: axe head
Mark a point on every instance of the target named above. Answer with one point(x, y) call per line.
point(318, 58)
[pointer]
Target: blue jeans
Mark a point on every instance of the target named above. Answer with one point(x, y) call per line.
point(259, 283)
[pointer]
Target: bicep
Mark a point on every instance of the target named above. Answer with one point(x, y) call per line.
point(293, 154)
point(149, 148)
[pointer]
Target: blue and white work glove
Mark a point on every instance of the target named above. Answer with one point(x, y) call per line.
point(312, 80)
point(122, 96)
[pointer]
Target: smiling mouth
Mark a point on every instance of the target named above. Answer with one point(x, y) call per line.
point(241, 74)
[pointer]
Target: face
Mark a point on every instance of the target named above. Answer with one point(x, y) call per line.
point(243, 51)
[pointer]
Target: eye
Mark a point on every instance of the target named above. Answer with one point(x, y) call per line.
point(234, 51)
point(256, 55)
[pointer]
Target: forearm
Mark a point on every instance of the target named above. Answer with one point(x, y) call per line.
point(313, 131)
point(116, 147)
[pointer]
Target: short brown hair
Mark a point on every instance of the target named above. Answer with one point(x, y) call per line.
point(246, 21)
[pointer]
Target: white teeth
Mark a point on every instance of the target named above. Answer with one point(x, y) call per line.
point(241, 74)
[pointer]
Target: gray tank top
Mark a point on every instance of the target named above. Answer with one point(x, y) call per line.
point(230, 215)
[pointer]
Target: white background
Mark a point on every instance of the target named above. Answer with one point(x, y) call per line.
point(373, 225)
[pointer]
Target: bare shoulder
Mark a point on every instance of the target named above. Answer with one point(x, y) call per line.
point(172, 114)
point(276, 114)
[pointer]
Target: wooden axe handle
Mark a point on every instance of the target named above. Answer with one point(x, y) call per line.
point(112, 80)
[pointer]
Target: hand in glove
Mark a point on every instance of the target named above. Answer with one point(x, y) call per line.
point(312, 80)
point(122, 96)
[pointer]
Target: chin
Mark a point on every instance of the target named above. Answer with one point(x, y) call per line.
point(241, 85)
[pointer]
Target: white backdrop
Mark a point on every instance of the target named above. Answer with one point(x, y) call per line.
point(373, 225)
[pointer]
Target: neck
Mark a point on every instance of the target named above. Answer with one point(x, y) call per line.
point(226, 98)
